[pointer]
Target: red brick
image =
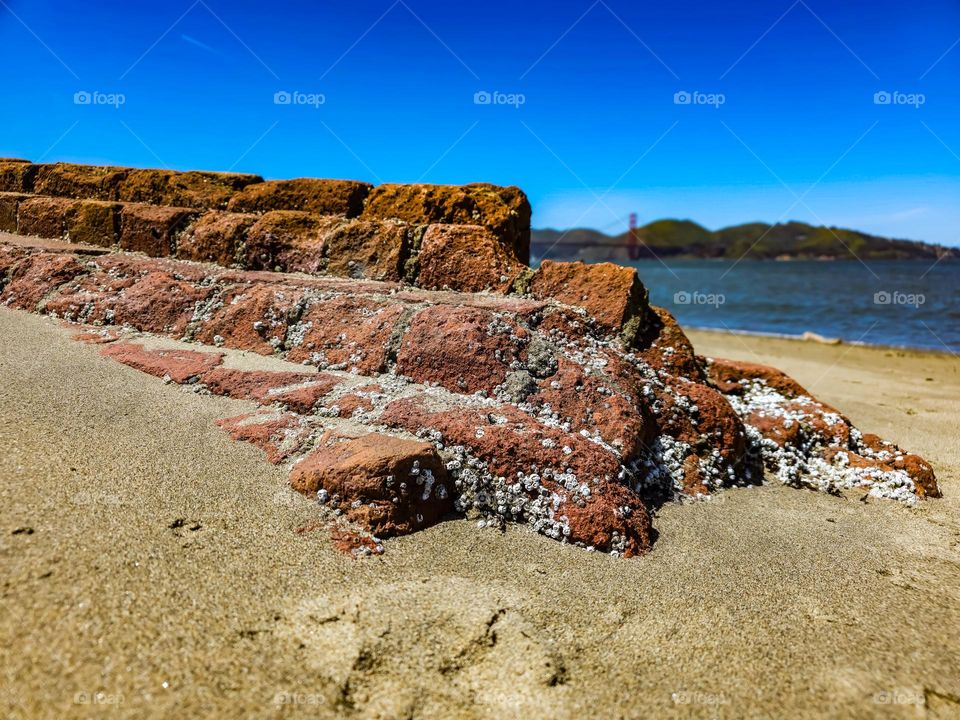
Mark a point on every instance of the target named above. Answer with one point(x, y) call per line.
point(288, 241)
point(466, 258)
point(324, 197)
point(365, 249)
point(464, 349)
point(43, 216)
point(181, 366)
point(192, 189)
point(505, 210)
point(388, 485)
point(352, 333)
point(611, 294)
point(216, 237)
point(153, 230)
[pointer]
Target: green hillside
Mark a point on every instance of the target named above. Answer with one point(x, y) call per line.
point(684, 238)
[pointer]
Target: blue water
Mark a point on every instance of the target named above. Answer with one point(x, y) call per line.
point(906, 303)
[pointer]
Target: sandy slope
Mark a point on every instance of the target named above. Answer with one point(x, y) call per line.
point(146, 557)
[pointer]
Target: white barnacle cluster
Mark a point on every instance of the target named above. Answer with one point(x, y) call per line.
point(203, 310)
point(661, 467)
point(296, 332)
point(497, 499)
point(802, 463)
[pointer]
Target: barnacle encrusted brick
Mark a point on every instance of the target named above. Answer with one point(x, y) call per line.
point(324, 197)
point(33, 278)
point(613, 295)
point(663, 345)
point(505, 210)
point(733, 377)
point(159, 302)
point(805, 442)
point(279, 434)
point(389, 485)
point(466, 258)
point(346, 333)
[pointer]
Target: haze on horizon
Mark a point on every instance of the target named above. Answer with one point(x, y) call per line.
point(804, 110)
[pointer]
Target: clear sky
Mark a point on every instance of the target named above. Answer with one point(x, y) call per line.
point(782, 121)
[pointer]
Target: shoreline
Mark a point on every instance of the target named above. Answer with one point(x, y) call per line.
point(828, 342)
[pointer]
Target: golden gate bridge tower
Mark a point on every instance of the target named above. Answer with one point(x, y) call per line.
point(633, 239)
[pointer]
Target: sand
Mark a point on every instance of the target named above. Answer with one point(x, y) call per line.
point(152, 567)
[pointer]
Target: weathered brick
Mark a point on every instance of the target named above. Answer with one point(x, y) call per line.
point(251, 316)
point(192, 189)
point(34, 277)
point(505, 210)
point(181, 366)
point(612, 295)
point(368, 249)
point(466, 258)
point(152, 230)
point(464, 349)
point(17, 175)
point(216, 237)
point(279, 435)
point(324, 197)
point(93, 222)
point(299, 391)
point(9, 201)
point(288, 241)
point(159, 302)
point(91, 182)
point(389, 485)
point(43, 216)
point(351, 333)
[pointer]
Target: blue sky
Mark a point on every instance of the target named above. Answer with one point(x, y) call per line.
point(785, 125)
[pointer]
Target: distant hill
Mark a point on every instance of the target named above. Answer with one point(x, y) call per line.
point(686, 239)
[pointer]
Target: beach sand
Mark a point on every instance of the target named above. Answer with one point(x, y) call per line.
point(153, 567)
